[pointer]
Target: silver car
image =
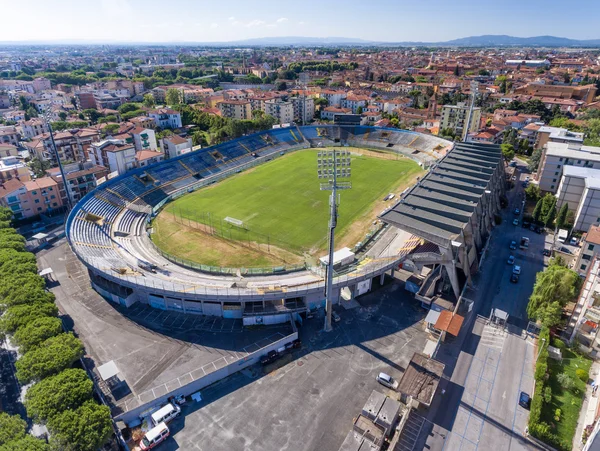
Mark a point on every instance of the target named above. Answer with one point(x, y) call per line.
point(386, 380)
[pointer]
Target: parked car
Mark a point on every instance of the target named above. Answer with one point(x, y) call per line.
point(513, 164)
point(513, 178)
point(524, 400)
point(516, 269)
point(517, 212)
point(524, 184)
point(154, 437)
point(547, 252)
point(513, 245)
point(514, 278)
point(386, 380)
point(515, 222)
point(335, 316)
point(511, 260)
point(271, 356)
point(525, 224)
point(573, 241)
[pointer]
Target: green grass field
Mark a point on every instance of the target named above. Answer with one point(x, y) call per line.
point(280, 202)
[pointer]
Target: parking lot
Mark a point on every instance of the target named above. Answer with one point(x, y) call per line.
point(309, 402)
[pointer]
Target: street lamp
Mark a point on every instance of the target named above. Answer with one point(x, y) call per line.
point(46, 115)
point(331, 166)
point(541, 347)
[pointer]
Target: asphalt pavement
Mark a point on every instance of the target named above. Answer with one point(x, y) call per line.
point(487, 366)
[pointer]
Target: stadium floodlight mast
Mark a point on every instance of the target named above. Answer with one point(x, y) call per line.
point(332, 165)
point(47, 114)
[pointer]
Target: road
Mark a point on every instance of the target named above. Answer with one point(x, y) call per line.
point(486, 366)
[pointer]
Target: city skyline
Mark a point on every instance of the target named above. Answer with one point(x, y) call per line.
point(184, 21)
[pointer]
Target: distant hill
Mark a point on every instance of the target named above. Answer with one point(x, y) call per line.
point(504, 40)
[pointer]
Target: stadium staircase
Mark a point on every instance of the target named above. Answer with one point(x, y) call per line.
point(300, 133)
point(188, 169)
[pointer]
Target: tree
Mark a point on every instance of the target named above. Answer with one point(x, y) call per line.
point(20, 315)
point(52, 356)
point(508, 151)
point(92, 114)
point(553, 289)
point(67, 390)
point(12, 427)
point(36, 332)
point(534, 160)
point(39, 166)
point(415, 94)
point(127, 107)
point(85, 429)
point(565, 381)
point(537, 211)
point(62, 115)
point(31, 112)
point(172, 97)
point(561, 219)
point(110, 129)
point(533, 192)
point(359, 110)
point(281, 86)
point(551, 213)
point(27, 443)
point(149, 101)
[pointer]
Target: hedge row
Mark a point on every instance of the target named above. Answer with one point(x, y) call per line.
point(61, 397)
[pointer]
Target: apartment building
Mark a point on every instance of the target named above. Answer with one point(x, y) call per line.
point(81, 179)
point(304, 108)
point(455, 118)
point(546, 134)
point(41, 197)
point(143, 139)
point(334, 98)
point(590, 250)
point(280, 110)
point(580, 189)
point(555, 156)
point(34, 127)
point(328, 113)
point(12, 167)
point(114, 154)
point(9, 135)
point(166, 118)
point(175, 145)
point(235, 109)
point(353, 102)
point(585, 93)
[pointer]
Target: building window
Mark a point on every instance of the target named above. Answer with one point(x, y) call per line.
point(53, 197)
point(578, 161)
point(558, 166)
point(586, 257)
point(560, 159)
point(50, 189)
point(590, 247)
point(583, 267)
point(54, 204)
point(34, 193)
point(556, 173)
point(554, 180)
point(37, 201)
point(39, 209)
point(552, 187)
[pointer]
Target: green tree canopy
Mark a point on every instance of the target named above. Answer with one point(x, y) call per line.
point(85, 429)
point(172, 97)
point(533, 192)
point(561, 219)
point(537, 211)
point(12, 427)
point(553, 289)
point(52, 356)
point(550, 213)
point(20, 315)
point(67, 390)
point(27, 443)
point(534, 160)
point(36, 332)
point(149, 101)
point(508, 151)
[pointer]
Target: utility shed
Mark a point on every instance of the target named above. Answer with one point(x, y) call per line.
point(421, 379)
point(373, 405)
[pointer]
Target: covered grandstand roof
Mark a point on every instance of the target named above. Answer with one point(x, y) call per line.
point(442, 203)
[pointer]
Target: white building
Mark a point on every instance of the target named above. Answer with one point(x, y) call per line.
point(334, 98)
point(143, 139)
point(175, 145)
point(280, 110)
point(166, 118)
point(328, 113)
point(41, 84)
point(556, 156)
point(34, 127)
point(590, 249)
point(113, 154)
point(580, 189)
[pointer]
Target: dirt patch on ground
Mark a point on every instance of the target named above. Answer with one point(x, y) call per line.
point(193, 241)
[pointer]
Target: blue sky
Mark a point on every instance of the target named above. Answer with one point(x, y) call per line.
point(384, 20)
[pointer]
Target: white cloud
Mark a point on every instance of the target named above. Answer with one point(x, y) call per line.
point(255, 23)
point(214, 25)
point(282, 20)
point(231, 19)
point(300, 23)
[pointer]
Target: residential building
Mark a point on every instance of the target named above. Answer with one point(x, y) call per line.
point(9, 135)
point(85, 100)
point(110, 100)
point(147, 157)
point(175, 145)
point(329, 112)
point(580, 189)
point(12, 167)
point(143, 139)
point(334, 98)
point(4, 101)
point(8, 150)
point(528, 63)
point(280, 110)
point(166, 118)
point(354, 101)
point(585, 93)
point(235, 109)
point(41, 84)
point(11, 192)
point(143, 121)
point(34, 127)
point(304, 108)
point(42, 197)
point(455, 117)
point(590, 250)
point(586, 324)
point(114, 154)
point(555, 156)
point(81, 177)
point(546, 134)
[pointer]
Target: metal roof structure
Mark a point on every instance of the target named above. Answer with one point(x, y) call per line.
point(441, 204)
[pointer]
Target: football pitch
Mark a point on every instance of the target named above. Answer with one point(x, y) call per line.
point(280, 203)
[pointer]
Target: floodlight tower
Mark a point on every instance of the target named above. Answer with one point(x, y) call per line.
point(46, 115)
point(331, 166)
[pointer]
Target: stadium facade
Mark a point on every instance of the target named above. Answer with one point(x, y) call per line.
point(109, 228)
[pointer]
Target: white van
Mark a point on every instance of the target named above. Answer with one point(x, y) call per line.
point(154, 437)
point(165, 414)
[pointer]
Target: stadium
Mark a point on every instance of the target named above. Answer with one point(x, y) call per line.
point(111, 229)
